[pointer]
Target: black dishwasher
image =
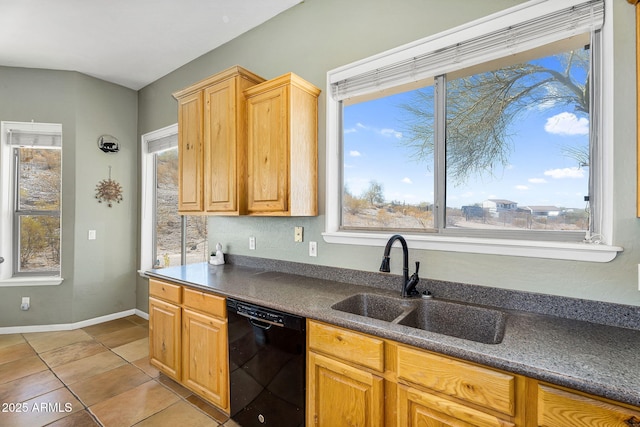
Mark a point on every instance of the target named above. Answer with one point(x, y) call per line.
point(266, 366)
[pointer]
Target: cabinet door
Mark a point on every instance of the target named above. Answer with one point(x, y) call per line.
point(420, 409)
point(268, 152)
point(558, 408)
point(220, 148)
point(340, 395)
point(190, 153)
point(204, 355)
point(164, 337)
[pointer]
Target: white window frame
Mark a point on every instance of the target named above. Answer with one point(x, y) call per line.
point(605, 251)
point(7, 184)
point(147, 196)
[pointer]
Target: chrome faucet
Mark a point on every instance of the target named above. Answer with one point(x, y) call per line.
point(409, 283)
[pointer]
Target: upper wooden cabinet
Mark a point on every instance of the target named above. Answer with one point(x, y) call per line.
point(190, 153)
point(212, 133)
point(282, 147)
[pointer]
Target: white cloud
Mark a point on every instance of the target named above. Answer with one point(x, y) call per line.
point(537, 180)
point(361, 126)
point(350, 130)
point(407, 180)
point(565, 173)
point(567, 124)
point(521, 187)
point(354, 153)
point(391, 132)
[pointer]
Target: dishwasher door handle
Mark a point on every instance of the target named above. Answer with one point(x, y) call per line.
point(252, 319)
point(261, 324)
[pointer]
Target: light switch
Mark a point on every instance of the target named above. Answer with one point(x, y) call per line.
point(92, 234)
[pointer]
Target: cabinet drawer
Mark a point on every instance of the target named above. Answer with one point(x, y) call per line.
point(165, 291)
point(474, 384)
point(418, 408)
point(346, 345)
point(205, 302)
point(561, 408)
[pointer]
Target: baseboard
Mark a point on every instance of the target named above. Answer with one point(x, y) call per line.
point(72, 326)
point(142, 314)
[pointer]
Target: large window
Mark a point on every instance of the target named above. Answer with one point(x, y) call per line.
point(515, 145)
point(168, 238)
point(31, 200)
point(489, 131)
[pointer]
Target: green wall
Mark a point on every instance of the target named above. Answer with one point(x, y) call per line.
point(99, 275)
point(319, 35)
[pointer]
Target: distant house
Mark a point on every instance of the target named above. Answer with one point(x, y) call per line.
point(542, 210)
point(495, 206)
point(472, 211)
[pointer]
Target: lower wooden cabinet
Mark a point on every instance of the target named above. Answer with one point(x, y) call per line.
point(560, 408)
point(165, 337)
point(342, 395)
point(188, 339)
point(205, 367)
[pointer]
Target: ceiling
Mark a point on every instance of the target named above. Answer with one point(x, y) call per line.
point(128, 42)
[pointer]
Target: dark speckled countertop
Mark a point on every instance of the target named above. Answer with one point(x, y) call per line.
point(596, 358)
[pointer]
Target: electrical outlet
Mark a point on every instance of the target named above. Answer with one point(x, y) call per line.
point(252, 243)
point(297, 234)
point(313, 248)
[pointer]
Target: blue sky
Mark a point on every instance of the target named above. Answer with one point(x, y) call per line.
point(538, 173)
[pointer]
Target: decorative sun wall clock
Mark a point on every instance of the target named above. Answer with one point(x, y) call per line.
point(109, 191)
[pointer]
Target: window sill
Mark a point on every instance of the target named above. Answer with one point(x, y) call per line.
point(32, 281)
point(522, 248)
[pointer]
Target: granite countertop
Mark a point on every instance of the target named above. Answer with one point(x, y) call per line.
point(595, 358)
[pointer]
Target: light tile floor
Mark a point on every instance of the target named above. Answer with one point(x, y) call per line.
point(95, 376)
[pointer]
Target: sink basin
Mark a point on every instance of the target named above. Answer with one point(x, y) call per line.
point(469, 322)
point(375, 306)
point(474, 323)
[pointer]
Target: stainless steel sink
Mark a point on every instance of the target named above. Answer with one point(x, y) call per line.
point(474, 323)
point(375, 306)
point(469, 322)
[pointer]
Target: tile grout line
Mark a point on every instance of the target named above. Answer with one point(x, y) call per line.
point(64, 384)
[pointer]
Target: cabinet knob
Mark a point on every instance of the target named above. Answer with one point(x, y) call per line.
point(1, 260)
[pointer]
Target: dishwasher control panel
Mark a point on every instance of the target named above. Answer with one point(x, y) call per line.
point(266, 315)
point(259, 313)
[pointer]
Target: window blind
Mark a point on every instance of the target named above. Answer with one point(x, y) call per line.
point(515, 30)
point(34, 138)
point(162, 143)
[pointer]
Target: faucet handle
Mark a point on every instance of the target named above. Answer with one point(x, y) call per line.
point(417, 266)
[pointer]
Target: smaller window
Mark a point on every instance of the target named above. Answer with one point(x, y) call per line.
point(31, 199)
point(168, 238)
